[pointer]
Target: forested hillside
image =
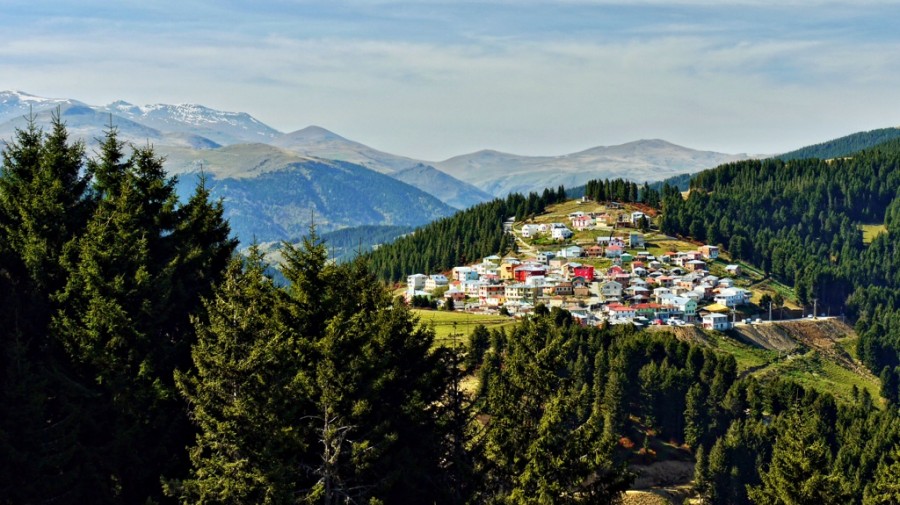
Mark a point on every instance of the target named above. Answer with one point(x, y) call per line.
point(281, 204)
point(465, 237)
point(843, 146)
point(565, 408)
point(800, 221)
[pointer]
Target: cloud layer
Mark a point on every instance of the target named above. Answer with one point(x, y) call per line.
point(433, 79)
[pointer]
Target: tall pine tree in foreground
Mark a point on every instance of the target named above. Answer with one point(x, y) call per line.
point(324, 393)
point(100, 267)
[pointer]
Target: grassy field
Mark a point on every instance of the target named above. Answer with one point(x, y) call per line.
point(870, 231)
point(812, 371)
point(771, 286)
point(748, 357)
point(456, 326)
point(848, 344)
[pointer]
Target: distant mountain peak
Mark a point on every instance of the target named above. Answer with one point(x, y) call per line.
point(314, 132)
point(195, 114)
point(13, 97)
point(16, 104)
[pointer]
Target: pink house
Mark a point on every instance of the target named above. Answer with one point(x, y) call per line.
point(582, 222)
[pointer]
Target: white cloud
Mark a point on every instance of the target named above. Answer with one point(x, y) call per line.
point(700, 85)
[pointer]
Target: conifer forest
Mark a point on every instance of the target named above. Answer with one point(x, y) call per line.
point(144, 360)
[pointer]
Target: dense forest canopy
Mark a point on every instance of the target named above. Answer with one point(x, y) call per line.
point(843, 146)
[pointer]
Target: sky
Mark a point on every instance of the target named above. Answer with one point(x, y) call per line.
point(431, 79)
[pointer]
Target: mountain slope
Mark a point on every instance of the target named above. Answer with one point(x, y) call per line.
point(843, 146)
point(445, 187)
point(321, 143)
point(276, 193)
point(502, 173)
point(88, 124)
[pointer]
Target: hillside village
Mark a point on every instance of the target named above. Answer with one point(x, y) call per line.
point(599, 263)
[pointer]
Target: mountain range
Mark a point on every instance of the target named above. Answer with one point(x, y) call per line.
point(234, 148)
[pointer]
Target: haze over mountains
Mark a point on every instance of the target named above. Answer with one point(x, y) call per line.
point(234, 148)
point(642, 160)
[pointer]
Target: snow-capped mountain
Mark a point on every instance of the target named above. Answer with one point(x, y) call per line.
point(18, 104)
point(222, 127)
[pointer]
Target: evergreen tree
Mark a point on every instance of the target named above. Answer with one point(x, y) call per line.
point(885, 486)
point(344, 390)
point(132, 281)
point(42, 207)
point(245, 394)
point(799, 471)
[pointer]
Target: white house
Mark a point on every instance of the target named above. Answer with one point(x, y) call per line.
point(716, 322)
point(464, 274)
point(415, 282)
point(610, 289)
point(686, 305)
point(561, 233)
point(659, 293)
point(472, 288)
point(622, 312)
point(731, 297)
point(530, 230)
point(435, 281)
point(570, 252)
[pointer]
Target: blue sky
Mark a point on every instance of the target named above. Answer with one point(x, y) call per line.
point(433, 79)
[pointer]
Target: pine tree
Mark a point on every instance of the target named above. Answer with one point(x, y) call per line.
point(42, 207)
point(123, 317)
point(349, 396)
point(884, 488)
point(798, 472)
point(245, 394)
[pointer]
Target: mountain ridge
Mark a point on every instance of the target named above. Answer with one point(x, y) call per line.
point(173, 127)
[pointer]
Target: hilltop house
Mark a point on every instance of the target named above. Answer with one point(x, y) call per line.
point(530, 230)
point(716, 322)
point(560, 233)
point(435, 281)
point(415, 282)
point(710, 252)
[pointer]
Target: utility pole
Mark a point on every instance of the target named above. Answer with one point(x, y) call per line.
point(815, 306)
point(770, 312)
